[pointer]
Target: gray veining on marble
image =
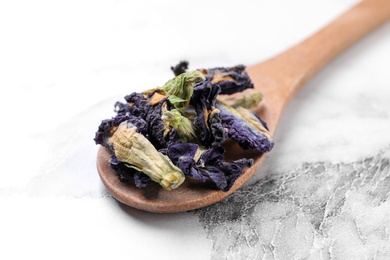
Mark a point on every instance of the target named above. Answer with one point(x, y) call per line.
point(318, 211)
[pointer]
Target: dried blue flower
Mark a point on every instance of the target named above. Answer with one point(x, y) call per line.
point(148, 107)
point(145, 135)
point(141, 180)
point(160, 134)
point(121, 108)
point(232, 80)
point(108, 126)
point(213, 159)
point(233, 170)
point(245, 128)
point(207, 118)
point(102, 132)
point(184, 155)
point(188, 157)
point(138, 104)
point(126, 173)
point(180, 68)
point(207, 164)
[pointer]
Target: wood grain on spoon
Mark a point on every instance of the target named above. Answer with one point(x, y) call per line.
point(279, 79)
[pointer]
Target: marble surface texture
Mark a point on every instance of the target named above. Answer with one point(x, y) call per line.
point(64, 64)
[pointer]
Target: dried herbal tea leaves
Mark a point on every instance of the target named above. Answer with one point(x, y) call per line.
point(231, 80)
point(244, 127)
point(207, 164)
point(176, 131)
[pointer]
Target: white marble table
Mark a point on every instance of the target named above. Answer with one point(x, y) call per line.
point(62, 67)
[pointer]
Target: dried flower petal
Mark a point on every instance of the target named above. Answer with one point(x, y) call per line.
point(148, 106)
point(180, 88)
point(248, 102)
point(207, 117)
point(108, 126)
point(125, 173)
point(233, 170)
point(184, 127)
point(232, 80)
point(245, 128)
point(160, 134)
point(137, 104)
point(134, 149)
point(207, 165)
point(180, 68)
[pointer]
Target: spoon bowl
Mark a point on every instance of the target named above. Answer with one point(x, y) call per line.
point(279, 79)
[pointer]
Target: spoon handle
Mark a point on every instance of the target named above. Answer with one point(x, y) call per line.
point(281, 77)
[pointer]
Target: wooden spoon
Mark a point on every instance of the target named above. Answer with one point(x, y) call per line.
point(279, 79)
